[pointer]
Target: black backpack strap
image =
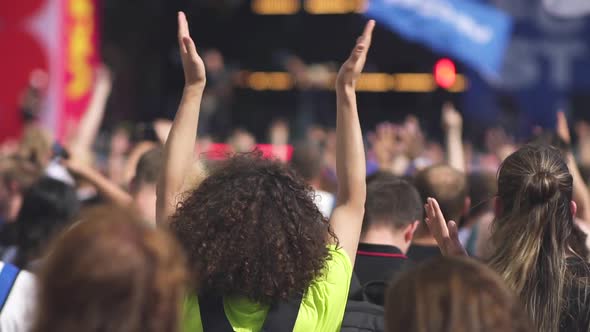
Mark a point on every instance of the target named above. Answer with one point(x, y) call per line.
point(213, 316)
point(283, 316)
point(374, 292)
point(355, 292)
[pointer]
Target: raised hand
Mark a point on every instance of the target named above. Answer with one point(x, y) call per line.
point(180, 145)
point(104, 79)
point(451, 118)
point(193, 65)
point(76, 166)
point(347, 217)
point(562, 128)
point(412, 137)
point(352, 68)
point(445, 234)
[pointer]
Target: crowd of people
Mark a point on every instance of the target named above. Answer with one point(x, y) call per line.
point(409, 235)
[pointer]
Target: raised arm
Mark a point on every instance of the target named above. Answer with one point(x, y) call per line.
point(580, 195)
point(180, 146)
point(347, 217)
point(445, 234)
point(453, 126)
point(81, 143)
point(105, 187)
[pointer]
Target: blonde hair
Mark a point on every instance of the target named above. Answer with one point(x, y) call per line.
point(36, 146)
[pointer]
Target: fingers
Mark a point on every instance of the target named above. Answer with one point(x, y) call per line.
point(453, 231)
point(367, 35)
point(562, 120)
point(448, 107)
point(430, 215)
point(363, 42)
point(189, 46)
point(435, 220)
point(183, 31)
point(437, 211)
point(562, 127)
point(456, 248)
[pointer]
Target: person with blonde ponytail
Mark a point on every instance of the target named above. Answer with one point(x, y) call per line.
point(539, 251)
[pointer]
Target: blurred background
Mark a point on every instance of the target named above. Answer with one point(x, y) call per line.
point(270, 60)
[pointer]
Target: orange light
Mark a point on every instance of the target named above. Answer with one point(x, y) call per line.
point(445, 73)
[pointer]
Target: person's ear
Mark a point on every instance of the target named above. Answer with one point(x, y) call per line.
point(498, 208)
point(466, 206)
point(573, 209)
point(409, 231)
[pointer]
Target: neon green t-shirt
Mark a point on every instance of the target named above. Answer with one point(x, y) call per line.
point(322, 307)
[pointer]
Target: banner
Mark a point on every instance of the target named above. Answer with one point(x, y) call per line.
point(567, 8)
point(547, 65)
point(54, 37)
point(80, 54)
point(474, 33)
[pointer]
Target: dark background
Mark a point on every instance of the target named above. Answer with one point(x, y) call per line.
point(139, 43)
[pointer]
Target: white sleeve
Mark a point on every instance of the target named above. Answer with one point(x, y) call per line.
point(18, 312)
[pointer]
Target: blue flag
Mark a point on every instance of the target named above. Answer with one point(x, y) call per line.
point(472, 32)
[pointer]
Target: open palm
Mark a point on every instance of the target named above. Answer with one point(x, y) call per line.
point(194, 68)
point(352, 68)
point(445, 234)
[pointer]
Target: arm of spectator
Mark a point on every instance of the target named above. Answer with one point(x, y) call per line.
point(580, 195)
point(347, 217)
point(136, 153)
point(445, 234)
point(162, 128)
point(81, 143)
point(180, 146)
point(453, 126)
point(105, 187)
point(583, 132)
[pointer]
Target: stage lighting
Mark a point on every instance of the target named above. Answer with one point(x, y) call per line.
point(445, 73)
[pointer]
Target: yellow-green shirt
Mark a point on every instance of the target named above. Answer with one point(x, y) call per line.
point(322, 307)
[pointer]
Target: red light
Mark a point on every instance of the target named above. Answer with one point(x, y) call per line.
point(445, 73)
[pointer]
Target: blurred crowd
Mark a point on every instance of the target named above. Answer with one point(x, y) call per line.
point(390, 230)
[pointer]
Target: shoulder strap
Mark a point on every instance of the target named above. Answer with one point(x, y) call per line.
point(8, 277)
point(213, 314)
point(283, 316)
point(355, 292)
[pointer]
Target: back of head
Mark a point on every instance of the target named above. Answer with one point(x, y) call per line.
point(111, 273)
point(447, 185)
point(534, 231)
point(36, 146)
point(16, 176)
point(17, 170)
point(48, 207)
point(391, 202)
point(148, 167)
point(482, 189)
point(252, 229)
point(452, 294)
point(307, 161)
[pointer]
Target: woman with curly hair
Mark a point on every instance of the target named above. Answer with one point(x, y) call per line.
point(255, 240)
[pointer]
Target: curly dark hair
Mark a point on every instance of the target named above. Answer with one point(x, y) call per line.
point(252, 229)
